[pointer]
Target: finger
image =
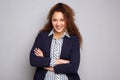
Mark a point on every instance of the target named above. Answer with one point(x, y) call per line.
point(36, 54)
point(36, 51)
point(35, 48)
point(39, 50)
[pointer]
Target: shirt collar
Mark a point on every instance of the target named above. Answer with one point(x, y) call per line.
point(65, 33)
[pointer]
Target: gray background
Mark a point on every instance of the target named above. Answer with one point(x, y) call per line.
point(98, 21)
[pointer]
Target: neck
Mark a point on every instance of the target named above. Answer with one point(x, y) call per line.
point(57, 35)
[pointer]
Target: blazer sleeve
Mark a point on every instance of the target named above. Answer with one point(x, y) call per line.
point(73, 66)
point(38, 61)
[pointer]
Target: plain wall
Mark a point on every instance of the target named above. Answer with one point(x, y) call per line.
point(98, 22)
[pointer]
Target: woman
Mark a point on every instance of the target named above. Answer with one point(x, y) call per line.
point(56, 51)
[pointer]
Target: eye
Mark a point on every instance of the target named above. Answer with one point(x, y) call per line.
point(54, 20)
point(62, 20)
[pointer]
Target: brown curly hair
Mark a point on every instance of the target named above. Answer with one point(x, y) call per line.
point(69, 18)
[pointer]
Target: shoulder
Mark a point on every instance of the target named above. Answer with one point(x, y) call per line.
point(75, 39)
point(42, 34)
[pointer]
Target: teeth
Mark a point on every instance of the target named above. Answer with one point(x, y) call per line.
point(58, 27)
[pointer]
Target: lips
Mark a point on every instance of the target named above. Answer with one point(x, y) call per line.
point(58, 27)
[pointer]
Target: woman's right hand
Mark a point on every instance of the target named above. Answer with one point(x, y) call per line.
point(62, 61)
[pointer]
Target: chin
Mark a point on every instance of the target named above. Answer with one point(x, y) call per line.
point(59, 31)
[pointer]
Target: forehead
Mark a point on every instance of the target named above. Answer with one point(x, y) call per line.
point(58, 15)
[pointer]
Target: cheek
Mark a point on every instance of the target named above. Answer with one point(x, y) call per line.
point(53, 23)
point(64, 24)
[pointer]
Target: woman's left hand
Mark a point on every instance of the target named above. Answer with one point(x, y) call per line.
point(38, 52)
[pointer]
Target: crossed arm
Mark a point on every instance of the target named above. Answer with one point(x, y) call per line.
point(37, 58)
point(38, 52)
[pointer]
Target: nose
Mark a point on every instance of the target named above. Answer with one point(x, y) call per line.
point(58, 23)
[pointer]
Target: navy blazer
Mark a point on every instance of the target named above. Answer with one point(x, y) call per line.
point(70, 51)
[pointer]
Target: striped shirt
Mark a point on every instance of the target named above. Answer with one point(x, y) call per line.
point(56, 43)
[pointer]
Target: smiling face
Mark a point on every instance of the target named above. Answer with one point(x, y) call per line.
point(58, 22)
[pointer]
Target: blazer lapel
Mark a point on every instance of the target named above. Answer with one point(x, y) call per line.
point(47, 43)
point(66, 47)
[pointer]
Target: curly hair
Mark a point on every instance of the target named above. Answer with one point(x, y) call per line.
point(69, 18)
